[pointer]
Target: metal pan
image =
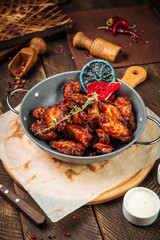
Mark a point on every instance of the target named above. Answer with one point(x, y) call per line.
point(48, 92)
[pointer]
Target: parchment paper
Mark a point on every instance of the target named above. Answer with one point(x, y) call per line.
point(58, 187)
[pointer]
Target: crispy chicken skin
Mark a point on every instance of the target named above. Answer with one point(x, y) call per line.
point(125, 108)
point(79, 134)
point(93, 114)
point(38, 113)
point(39, 130)
point(103, 148)
point(51, 114)
point(61, 105)
point(78, 98)
point(80, 118)
point(102, 136)
point(115, 128)
point(69, 103)
point(111, 110)
point(70, 87)
point(68, 147)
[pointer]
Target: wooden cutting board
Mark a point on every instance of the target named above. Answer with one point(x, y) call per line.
point(113, 193)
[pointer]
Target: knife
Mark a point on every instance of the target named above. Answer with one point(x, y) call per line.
point(36, 217)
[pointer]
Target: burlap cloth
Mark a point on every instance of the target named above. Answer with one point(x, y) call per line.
point(58, 187)
point(141, 52)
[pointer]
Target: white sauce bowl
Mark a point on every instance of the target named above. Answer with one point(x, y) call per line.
point(158, 174)
point(141, 206)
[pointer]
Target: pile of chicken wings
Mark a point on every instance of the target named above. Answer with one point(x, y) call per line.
point(89, 132)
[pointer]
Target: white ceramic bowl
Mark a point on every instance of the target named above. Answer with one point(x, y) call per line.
point(158, 174)
point(141, 206)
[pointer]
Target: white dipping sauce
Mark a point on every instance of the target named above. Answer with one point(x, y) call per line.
point(141, 206)
point(142, 203)
point(158, 174)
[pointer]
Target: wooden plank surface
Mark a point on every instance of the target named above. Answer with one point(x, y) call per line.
point(103, 221)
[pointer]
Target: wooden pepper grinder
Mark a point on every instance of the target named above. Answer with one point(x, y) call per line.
point(98, 47)
point(27, 57)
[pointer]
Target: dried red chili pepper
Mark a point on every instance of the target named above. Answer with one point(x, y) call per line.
point(111, 21)
point(124, 31)
point(127, 31)
point(121, 23)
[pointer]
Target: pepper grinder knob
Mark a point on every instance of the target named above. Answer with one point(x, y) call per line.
point(82, 41)
point(39, 45)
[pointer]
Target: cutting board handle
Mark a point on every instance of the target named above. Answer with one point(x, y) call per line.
point(134, 75)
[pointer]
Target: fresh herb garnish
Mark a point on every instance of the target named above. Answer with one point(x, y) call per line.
point(75, 110)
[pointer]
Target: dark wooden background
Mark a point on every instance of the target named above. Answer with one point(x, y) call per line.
point(103, 221)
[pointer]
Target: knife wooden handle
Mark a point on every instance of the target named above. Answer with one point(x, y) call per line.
point(36, 217)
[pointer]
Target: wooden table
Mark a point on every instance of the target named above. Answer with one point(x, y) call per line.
point(103, 221)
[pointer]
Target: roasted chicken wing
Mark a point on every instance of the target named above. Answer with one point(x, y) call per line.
point(80, 118)
point(38, 113)
point(79, 134)
point(102, 136)
point(111, 110)
point(69, 103)
point(39, 130)
point(125, 108)
point(68, 147)
point(61, 105)
point(78, 98)
point(102, 148)
point(70, 87)
point(93, 114)
point(115, 128)
point(53, 115)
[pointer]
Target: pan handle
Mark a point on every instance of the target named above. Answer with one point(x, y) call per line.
point(134, 75)
point(9, 95)
point(154, 141)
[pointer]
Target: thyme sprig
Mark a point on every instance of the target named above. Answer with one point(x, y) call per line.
point(75, 110)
